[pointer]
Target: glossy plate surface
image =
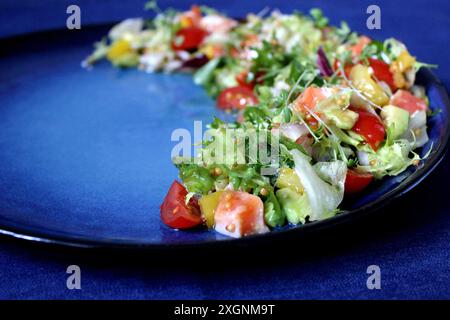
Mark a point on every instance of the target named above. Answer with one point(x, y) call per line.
point(85, 155)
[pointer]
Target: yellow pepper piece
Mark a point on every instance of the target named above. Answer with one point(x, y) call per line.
point(287, 178)
point(362, 80)
point(185, 22)
point(208, 205)
point(118, 49)
point(403, 63)
point(208, 51)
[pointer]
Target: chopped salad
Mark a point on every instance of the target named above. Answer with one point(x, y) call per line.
point(343, 110)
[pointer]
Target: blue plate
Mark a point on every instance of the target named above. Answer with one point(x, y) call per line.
point(85, 155)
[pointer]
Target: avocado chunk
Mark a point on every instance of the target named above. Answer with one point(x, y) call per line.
point(335, 109)
point(396, 121)
point(295, 205)
point(343, 118)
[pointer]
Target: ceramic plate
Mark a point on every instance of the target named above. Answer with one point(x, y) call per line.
point(85, 155)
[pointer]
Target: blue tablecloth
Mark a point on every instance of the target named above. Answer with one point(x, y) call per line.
point(410, 243)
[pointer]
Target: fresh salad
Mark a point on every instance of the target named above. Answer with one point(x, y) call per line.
point(342, 109)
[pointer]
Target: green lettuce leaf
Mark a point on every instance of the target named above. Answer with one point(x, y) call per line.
point(323, 183)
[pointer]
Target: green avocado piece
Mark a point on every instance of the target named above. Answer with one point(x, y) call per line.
point(343, 118)
point(396, 121)
point(335, 109)
point(128, 60)
point(295, 205)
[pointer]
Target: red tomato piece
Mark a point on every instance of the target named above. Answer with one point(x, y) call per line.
point(370, 127)
point(347, 68)
point(237, 97)
point(189, 38)
point(241, 79)
point(382, 72)
point(175, 213)
point(239, 214)
point(356, 181)
point(406, 100)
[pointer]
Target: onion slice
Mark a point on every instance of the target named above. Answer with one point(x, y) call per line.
point(323, 64)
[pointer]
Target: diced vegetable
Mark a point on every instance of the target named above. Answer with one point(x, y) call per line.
point(208, 205)
point(175, 213)
point(382, 73)
point(399, 68)
point(287, 178)
point(406, 100)
point(295, 205)
point(323, 63)
point(417, 129)
point(335, 109)
point(362, 80)
point(121, 54)
point(356, 181)
point(309, 99)
point(188, 38)
point(240, 214)
point(395, 120)
point(370, 127)
point(238, 97)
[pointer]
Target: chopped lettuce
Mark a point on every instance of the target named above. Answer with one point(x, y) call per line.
point(391, 159)
point(273, 215)
point(197, 179)
point(323, 183)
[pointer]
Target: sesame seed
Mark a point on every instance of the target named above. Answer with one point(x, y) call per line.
point(231, 227)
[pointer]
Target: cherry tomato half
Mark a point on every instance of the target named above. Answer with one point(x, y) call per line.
point(237, 97)
point(241, 79)
point(175, 213)
point(356, 181)
point(370, 127)
point(188, 38)
point(382, 72)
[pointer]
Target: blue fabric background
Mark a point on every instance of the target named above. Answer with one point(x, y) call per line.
point(409, 241)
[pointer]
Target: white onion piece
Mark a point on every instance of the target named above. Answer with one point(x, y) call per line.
point(418, 119)
point(128, 26)
point(363, 158)
point(418, 91)
point(417, 129)
point(410, 77)
point(293, 131)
